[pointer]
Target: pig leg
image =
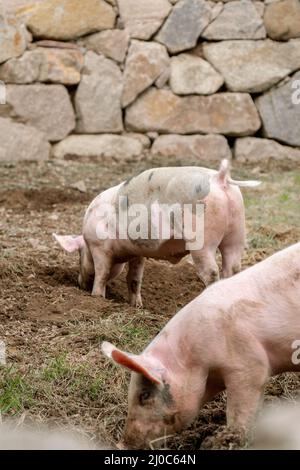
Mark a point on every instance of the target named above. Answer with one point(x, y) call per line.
point(103, 265)
point(206, 266)
point(231, 260)
point(134, 281)
point(116, 271)
point(232, 248)
point(245, 391)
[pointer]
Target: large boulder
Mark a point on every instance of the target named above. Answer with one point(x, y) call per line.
point(205, 148)
point(142, 18)
point(253, 66)
point(44, 65)
point(20, 142)
point(98, 147)
point(222, 113)
point(192, 75)
point(280, 114)
point(98, 97)
point(13, 38)
point(146, 61)
point(48, 108)
point(184, 25)
point(70, 19)
point(113, 43)
point(282, 19)
point(256, 150)
point(237, 20)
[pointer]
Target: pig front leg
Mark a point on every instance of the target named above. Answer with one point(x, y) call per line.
point(134, 281)
point(245, 391)
point(206, 266)
point(103, 265)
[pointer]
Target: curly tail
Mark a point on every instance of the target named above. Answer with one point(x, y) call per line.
point(224, 177)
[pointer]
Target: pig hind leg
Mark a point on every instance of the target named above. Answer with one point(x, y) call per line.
point(134, 281)
point(103, 265)
point(231, 258)
point(206, 265)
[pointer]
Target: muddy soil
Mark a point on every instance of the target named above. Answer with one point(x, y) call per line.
point(43, 313)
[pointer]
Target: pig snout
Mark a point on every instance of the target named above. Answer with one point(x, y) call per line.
point(141, 435)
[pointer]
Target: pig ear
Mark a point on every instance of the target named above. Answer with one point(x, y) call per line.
point(134, 363)
point(69, 243)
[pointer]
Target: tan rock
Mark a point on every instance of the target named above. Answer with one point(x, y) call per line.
point(13, 38)
point(98, 147)
point(206, 148)
point(44, 65)
point(191, 74)
point(282, 19)
point(222, 113)
point(113, 43)
point(145, 62)
point(70, 19)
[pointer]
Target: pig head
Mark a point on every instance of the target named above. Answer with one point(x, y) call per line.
point(73, 244)
point(162, 398)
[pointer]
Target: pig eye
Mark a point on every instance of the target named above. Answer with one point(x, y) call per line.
point(144, 397)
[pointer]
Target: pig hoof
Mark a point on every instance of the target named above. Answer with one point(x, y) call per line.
point(98, 294)
point(137, 303)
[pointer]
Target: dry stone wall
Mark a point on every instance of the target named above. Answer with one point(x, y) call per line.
point(116, 79)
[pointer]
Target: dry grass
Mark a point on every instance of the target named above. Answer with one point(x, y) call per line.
point(55, 372)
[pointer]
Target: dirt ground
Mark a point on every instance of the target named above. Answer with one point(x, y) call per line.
point(52, 329)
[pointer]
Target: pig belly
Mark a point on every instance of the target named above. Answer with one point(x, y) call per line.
point(170, 250)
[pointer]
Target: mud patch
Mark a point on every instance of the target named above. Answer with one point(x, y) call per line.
point(40, 200)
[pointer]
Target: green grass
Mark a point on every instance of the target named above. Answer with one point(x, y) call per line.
point(16, 392)
point(58, 378)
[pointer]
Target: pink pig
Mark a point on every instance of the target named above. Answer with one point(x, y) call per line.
point(234, 336)
point(224, 227)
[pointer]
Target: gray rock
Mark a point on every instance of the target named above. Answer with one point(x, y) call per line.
point(112, 43)
point(280, 115)
point(191, 74)
point(222, 113)
point(260, 7)
point(253, 66)
point(184, 25)
point(237, 20)
point(98, 97)
point(46, 107)
point(98, 147)
point(142, 18)
point(44, 65)
point(206, 148)
point(20, 142)
point(256, 150)
point(145, 63)
point(282, 19)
